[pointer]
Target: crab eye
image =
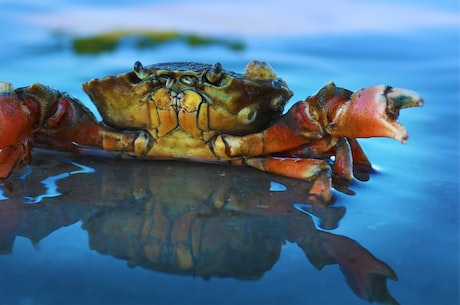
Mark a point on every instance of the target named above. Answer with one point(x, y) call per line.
point(139, 70)
point(214, 74)
point(188, 80)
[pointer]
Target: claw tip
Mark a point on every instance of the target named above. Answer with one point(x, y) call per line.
point(403, 98)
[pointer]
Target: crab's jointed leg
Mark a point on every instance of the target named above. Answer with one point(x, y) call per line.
point(362, 167)
point(317, 171)
point(13, 157)
point(342, 168)
point(16, 124)
point(65, 124)
point(40, 116)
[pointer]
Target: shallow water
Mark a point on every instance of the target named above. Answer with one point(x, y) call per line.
point(84, 230)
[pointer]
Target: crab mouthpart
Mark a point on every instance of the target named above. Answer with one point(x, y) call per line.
point(373, 112)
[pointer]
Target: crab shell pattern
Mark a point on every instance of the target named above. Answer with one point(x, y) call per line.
point(183, 106)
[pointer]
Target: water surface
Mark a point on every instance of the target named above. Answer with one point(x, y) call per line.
point(72, 228)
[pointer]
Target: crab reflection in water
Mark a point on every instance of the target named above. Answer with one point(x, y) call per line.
point(190, 219)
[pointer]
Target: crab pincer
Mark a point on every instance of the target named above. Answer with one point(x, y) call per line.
point(373, 112)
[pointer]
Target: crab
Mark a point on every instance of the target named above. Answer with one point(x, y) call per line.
point(202, 112)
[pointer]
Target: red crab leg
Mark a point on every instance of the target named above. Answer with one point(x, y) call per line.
point(343, 166)
point(293, 129)
point(17, 119)
point(11, 158)
point(361, 164)
point(70, 128)
point(65, 124)
point(317, 171)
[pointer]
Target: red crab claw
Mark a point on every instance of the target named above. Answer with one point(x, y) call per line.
point(17, 119)
point(373, 112)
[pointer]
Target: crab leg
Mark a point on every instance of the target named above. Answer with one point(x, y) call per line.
point(343, 166)
point(289, 167)
point(361, 164)
point(294, 129)
point(16, 124)
point(317, 171)
point(11, 158)
point(65, 124)
point(50, 119)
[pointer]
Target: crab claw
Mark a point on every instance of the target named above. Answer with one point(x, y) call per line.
point(373, 112)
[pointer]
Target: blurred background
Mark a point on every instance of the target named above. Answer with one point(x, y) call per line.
point(406, 215)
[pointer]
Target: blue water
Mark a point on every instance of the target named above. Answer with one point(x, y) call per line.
point(407, 215)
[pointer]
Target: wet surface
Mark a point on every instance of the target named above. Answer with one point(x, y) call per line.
point(138, 232)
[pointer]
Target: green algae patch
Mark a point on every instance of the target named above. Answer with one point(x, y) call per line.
point(110, 41)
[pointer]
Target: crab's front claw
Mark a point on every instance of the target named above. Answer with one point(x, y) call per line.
point(373, 112)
